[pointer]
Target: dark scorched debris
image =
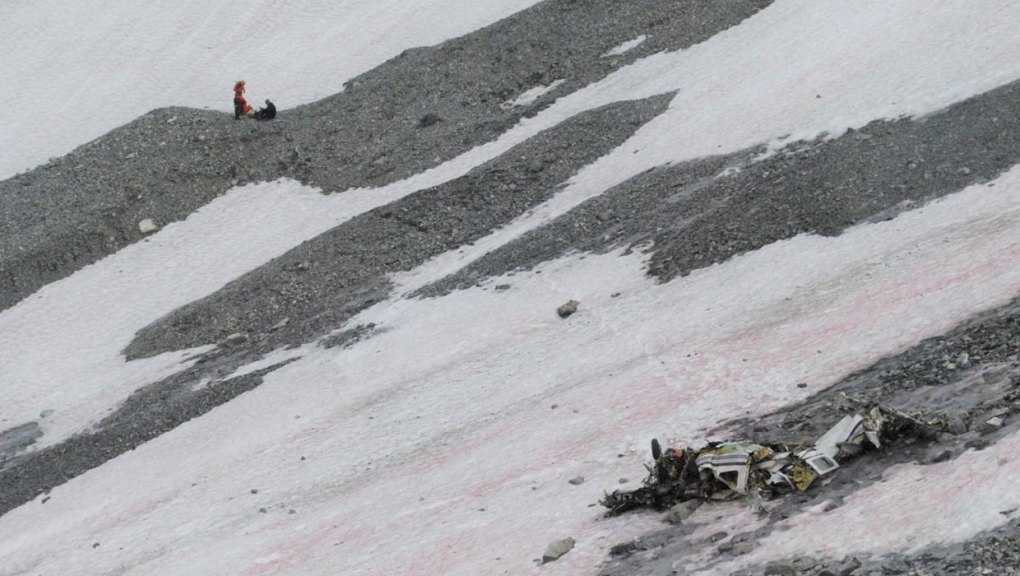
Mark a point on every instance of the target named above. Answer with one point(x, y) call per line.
point(723, 470)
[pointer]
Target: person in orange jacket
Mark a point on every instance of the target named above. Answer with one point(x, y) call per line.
point(240, 104)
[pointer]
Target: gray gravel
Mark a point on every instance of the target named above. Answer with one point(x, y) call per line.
point(431, 104)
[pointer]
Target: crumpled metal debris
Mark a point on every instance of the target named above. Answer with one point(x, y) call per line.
point(723, 470)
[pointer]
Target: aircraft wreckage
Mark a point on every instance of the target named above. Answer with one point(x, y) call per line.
point(723, 470)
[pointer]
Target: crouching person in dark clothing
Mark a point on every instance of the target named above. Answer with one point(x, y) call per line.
point(267, 113)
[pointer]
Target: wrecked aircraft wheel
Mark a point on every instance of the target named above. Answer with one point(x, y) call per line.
point(656, 449)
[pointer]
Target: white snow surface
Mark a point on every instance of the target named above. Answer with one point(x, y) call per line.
point(434, 447)
point(531, 95)
point(626, 46)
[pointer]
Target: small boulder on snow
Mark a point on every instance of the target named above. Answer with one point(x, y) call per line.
point(557, 550)
point(567, 309)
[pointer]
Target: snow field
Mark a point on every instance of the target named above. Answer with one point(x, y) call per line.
point(404, 449)
point(447, 411)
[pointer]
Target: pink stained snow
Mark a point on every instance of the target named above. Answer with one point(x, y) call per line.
point(433, 447)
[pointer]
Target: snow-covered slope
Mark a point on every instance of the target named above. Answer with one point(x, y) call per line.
point(344, 427)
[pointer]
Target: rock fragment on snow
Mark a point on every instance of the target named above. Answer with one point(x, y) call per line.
point(682, 511)
point(567, 309)
point(941, 456)
point(577, 481)
point(741, 548)
point(557, 550)
point(780, 569)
